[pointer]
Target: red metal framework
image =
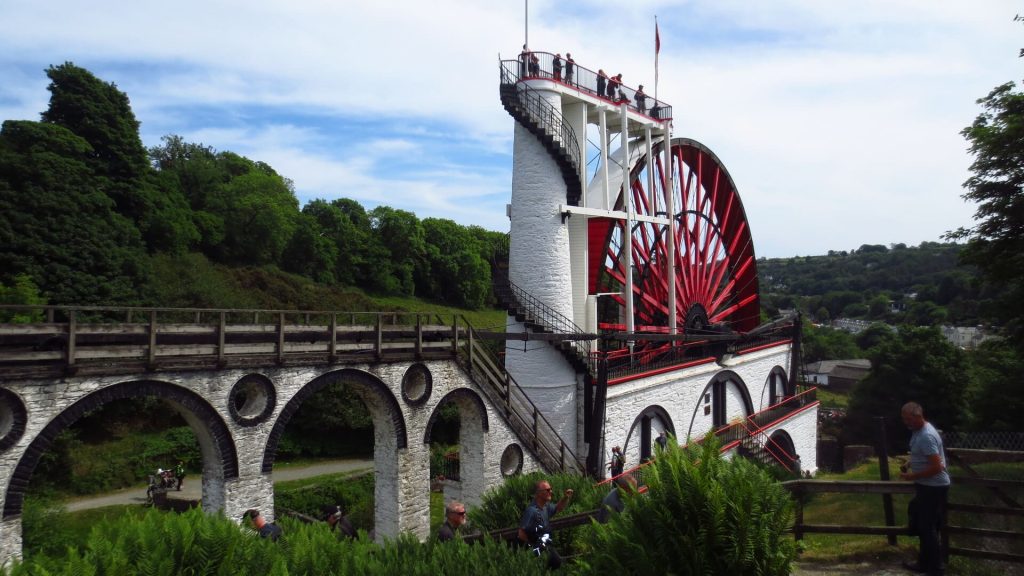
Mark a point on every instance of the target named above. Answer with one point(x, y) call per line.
point(715, 287)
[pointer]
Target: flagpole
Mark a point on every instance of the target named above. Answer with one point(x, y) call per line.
point(526, 22)
point(657, 48)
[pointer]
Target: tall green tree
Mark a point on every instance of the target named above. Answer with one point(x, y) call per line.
point(917, 364)
point(996, 242)
point(102, 115)
point(58, 227)
point(401, 236)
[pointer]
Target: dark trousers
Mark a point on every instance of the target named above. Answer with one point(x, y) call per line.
point(930, 507)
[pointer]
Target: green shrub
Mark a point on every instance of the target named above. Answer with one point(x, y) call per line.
point(198, 543)
point(503, 506)
point(354, 494)
point(701, 514)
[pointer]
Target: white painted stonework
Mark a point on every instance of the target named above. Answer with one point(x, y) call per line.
point(402, 474)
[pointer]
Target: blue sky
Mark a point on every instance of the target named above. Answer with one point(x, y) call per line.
point(839, 120)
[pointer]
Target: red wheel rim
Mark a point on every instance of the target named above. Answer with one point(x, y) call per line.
point(716, 270)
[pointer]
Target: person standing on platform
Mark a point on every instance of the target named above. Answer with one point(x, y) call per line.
point(602, 81)
point(556, 67)
point(570, 68)
point(931, 486)
point(614, 83)
point(641, 105)
point(524, 61)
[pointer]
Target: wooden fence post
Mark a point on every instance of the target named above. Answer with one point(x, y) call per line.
point(883, 470)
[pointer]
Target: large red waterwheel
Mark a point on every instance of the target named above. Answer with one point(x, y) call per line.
point(715, 268)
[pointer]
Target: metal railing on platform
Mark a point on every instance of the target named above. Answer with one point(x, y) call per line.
point(586, 80)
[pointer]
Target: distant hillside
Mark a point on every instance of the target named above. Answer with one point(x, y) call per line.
point(922, 285)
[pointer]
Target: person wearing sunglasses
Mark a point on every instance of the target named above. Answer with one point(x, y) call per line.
point(454, 517)
point(534, 528)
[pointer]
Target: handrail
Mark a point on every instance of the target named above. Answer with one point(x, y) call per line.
point(543, 112)
point(505, 392)
point(730, 434)
point(549, 318)
point(586, 80)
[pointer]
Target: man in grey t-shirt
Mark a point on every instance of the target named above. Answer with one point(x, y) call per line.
point(931, 486)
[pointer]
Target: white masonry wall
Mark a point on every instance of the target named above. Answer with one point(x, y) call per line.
point(540, 264)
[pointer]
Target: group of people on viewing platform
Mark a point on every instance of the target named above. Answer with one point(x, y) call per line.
point(566, 71)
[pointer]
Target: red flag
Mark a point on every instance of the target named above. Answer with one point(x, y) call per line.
point(657, 49)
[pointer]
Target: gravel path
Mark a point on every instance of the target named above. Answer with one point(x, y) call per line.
point(856, 569)
point(194, 483)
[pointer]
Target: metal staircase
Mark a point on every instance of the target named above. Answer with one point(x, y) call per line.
point(522, 415)
point(541, 318)
point(545, 122)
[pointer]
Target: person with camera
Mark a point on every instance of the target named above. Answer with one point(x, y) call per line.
point(535, 528)
point(927, 469)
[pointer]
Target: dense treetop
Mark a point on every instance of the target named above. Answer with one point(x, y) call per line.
point(92, 217)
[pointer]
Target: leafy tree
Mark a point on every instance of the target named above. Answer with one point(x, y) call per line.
point(399, 236)
point(917, 364)
point(102, 115)
point(997, 386)
point(259, 211)
point(453, 270)
point(21, 291)
point(827, 344)
point(996, 244)
point(309, 252)
point(58, 227)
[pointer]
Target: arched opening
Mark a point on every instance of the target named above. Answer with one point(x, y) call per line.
point(780, 446)
point(216, 452)
point(644, 431)
point(388, 439)
point(724, 400)
point(776, 388)
point(455, 434)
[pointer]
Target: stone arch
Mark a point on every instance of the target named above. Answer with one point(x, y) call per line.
point(363, 381)
point(713, 402)
point(780, 445)
point(215, 440)
point(389, 432)
point(776, 388)
point(645, 425)
point(474, 425)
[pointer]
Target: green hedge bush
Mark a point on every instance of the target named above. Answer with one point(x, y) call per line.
point(701, 514)
point(196, 543)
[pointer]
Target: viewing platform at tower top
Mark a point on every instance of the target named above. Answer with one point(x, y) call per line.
point(583, 81)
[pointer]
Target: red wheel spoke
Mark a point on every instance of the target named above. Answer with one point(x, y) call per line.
point(716, 270)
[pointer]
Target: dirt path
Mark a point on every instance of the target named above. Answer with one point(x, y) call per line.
point(194, 483)
point(856, 569)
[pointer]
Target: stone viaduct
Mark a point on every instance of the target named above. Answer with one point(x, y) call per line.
point(238, 386)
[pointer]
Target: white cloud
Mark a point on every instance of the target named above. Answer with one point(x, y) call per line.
point(838, 120)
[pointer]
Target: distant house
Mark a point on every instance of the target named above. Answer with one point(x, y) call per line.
point(838, 375)
point(851, 325)
point(967, 337)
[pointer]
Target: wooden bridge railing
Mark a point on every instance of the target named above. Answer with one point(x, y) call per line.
point(96, 340)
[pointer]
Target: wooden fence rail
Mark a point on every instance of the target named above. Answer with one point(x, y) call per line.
point(801, 488)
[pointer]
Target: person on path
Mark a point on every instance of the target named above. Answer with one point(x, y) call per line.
point(336, 519)
point(534, 526)
point(261, 526)
point(454, 518)
point(618, 463)
point(612, 502)
point(927, 470)
point(179, 474)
